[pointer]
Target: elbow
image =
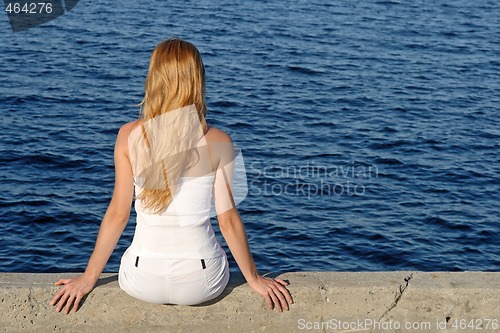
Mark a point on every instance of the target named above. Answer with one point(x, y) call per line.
point(117, 217)
point(228, 220)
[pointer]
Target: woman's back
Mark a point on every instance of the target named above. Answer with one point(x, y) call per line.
point(183, 228)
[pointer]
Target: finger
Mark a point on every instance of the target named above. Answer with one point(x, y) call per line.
point(286, 293)
point(269, 302)
point(289, 297)
point(279, 294)
point(283, 282)
point(77, 303)
point(62, 281)
point(276, 302)
point(62, 301)
point(69, 302)
point(57, 296)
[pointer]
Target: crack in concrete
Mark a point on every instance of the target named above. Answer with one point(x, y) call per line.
point(399, 294)
point(30, 300)
point(322, 290)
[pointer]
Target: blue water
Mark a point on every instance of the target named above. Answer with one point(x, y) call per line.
point(369, 130)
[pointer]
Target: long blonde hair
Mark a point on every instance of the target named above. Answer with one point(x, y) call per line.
point(164, 147)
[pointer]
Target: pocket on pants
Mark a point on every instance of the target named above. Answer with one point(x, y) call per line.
point(217, 275)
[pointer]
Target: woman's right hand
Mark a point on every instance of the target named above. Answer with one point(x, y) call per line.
point(274, 292)
point(72, 293)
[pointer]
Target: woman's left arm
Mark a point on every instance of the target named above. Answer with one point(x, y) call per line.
point(112, 226)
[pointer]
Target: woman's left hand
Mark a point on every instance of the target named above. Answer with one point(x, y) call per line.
point(72, 293)
point(274, 292)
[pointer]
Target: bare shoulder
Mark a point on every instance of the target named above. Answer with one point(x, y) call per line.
point(221, 145)
point(217, 135)
point(128, 127)
point(123, 134)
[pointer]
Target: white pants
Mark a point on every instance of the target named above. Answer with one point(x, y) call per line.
point(173, 281)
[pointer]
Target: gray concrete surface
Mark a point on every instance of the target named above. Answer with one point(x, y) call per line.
point(324, 302)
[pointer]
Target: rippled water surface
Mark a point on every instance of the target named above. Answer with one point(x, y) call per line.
point(369, 130)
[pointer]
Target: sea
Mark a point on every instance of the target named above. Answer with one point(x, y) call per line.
point(369, 130)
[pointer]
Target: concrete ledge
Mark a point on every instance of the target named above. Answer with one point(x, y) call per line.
point(324, 302)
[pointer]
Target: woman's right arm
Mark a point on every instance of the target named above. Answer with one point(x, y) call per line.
point(272, 289)
point(112, 226)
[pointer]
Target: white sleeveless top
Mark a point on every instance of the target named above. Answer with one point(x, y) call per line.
point(183, 230)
